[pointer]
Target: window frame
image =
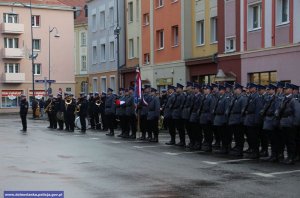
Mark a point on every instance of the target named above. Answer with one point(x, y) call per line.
point(15, 67)
point(14, 41)
point(279, 12)
point(83, 39)
point(35, 66)
point(251, 16)
point(102, 20)
point(146, 59)
point(160, 39)
point(34, 21)
point(130, 12)
point(146, 22)
point(83, 61)
point(228, 50)
point(7, 15)
point(260, 76)
point(214, 30)
point(131, 48)
point(111, 53)
point(102, 53)
point(34, 42)
point(200, 32)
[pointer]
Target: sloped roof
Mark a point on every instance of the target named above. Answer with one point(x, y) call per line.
point(81, 19)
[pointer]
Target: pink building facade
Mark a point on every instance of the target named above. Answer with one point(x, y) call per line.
point(15, 42)
point(259, 40)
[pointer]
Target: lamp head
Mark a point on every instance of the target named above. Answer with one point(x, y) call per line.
point(56, 35)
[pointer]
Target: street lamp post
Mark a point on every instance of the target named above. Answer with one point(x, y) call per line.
point(117, 32)
point(56, 36)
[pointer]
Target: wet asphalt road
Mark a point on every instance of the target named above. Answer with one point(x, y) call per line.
point(95, 166)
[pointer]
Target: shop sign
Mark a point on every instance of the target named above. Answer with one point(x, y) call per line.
point(164, 81)
point(7, 93)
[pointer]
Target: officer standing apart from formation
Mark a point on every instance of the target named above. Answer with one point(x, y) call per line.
point(23, 112)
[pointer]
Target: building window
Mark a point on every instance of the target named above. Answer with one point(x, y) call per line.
point(102, 20)
point(175, 36)
point(111, 16)
point(138, 47)
point(36, 44)
point(213, 30)
point(230, 44)
point(11, 43)
point(200, 32)
point(94, 22)
point(159, 3)
point(160, 39)
point(146, 59)
point(83, 38)
point(146, 19)
point(204, 79)
point(103, 84)
point(36, 20)
point(254, 17)
point(282, 11)
point(263, 78)
point(11, 98)
point(37, 69)
point(12, 68)
point(95, 55)
point(102, 52)
point(112, 50)
point(131, 49)
point(130, 12)
point(95, 85)
point(137, 10)
point(10, 18)
point(83, 63)
point(113, 82)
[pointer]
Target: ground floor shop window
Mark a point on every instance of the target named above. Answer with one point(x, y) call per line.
point(263, 78)
point(10, 98)
point(204, 79)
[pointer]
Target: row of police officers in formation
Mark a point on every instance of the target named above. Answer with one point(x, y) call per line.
point(214, 116)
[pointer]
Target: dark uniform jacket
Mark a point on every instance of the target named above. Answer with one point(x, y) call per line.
point(130, 106)
point(24, 107)
point(234, 111)
point(83, 107)
point(220, 108)
point(296, 107)
point(206, 109)
point(285, 112)
point(110, 106)
point(252, 110)
point(154, 108)
point(268, 113)
point(121, 109)
point(178, 105)
point(144, 103)
point(196, 103)
point(168, 109)
point(186, 111)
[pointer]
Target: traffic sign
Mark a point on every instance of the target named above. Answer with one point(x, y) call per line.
point(51, 81)
point(39, 81)
point(49, 90)
point(43, 81)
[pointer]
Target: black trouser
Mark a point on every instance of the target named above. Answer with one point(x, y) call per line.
point(110, 118)
point(238, 132)
point(97, 120)
point(82, 122)
point(50, 119)
point(24, 121)
point(92, 120)
point(274, 137)
point(252, 134)
point(188, 128)
point(124, 124)
point(225, 135)
point(143, 125)
point(179, 125)
point(208, 134)
point(217, 135)
point(171, 127)
point(54, 119)
point(153, 128)
point(264, 140)
point(290, 140)
point(70, 121)
point(67, 121)
point(103, 118)
point(132, 124)
point(298, 140)
point(195, 134)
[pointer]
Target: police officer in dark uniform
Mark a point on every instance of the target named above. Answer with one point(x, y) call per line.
point(110, 111)
point(83, 107)
point(220, 121)
point(253, 121)
point(23, 112)
point(153, 115)
point(102, 111)
point(270, 125)
point(285, 114)
point(176, 114)
point(130, 113)
point(121, 113)
point(48, 109)
point(168, 110)
point(235, 121)
point(54, 112)
point(91, 106)
point(143, 106)
point(59, 109)
point(206, 118)
point(216, 133)
point(296, 122)
point(263, 135)
point(195, 135)
point(70, 111)
point(186, 113)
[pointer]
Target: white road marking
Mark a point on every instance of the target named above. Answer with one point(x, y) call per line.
point(174, 154)
point(224, 162)
point(275, 173)
point(140, 147)
point(116, 142)
point(94, 138)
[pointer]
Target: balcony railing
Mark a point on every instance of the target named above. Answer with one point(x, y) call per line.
point(12, 28)
point(13, 53)
point(13, 77)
